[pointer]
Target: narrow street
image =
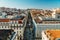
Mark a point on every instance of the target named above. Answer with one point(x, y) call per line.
point(29, 30)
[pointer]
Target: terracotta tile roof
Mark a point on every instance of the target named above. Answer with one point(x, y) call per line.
point(58, 11)
point(38, 20)
point(4, 20)
point(53, 33)
point(8, 20)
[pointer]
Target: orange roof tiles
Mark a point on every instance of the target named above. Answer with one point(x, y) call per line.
point(58, 11)
point(7, 20)
point(4, 20)
point(35, 12)
point(53, 33)
point(38, 20)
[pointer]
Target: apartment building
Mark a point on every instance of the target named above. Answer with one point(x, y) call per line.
point(15, 22)
point(51, 35)
point(44, 22)
point(56, 13)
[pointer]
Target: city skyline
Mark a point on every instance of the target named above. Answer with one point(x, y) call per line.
point(24, 4)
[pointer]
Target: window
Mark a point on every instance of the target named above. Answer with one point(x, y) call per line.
point(58, 16)
point(20, 28)
point(20, 31)
point(20, 37)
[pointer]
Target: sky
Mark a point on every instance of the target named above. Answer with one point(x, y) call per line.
point(24, 4)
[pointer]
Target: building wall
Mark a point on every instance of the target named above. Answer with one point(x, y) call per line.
point(41, 27)
point(44, 37)
point(18, 28)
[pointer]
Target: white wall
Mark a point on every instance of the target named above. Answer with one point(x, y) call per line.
point(41, 27)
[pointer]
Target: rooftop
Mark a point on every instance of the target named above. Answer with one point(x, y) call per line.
point(53, 34)
point(44, 17)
